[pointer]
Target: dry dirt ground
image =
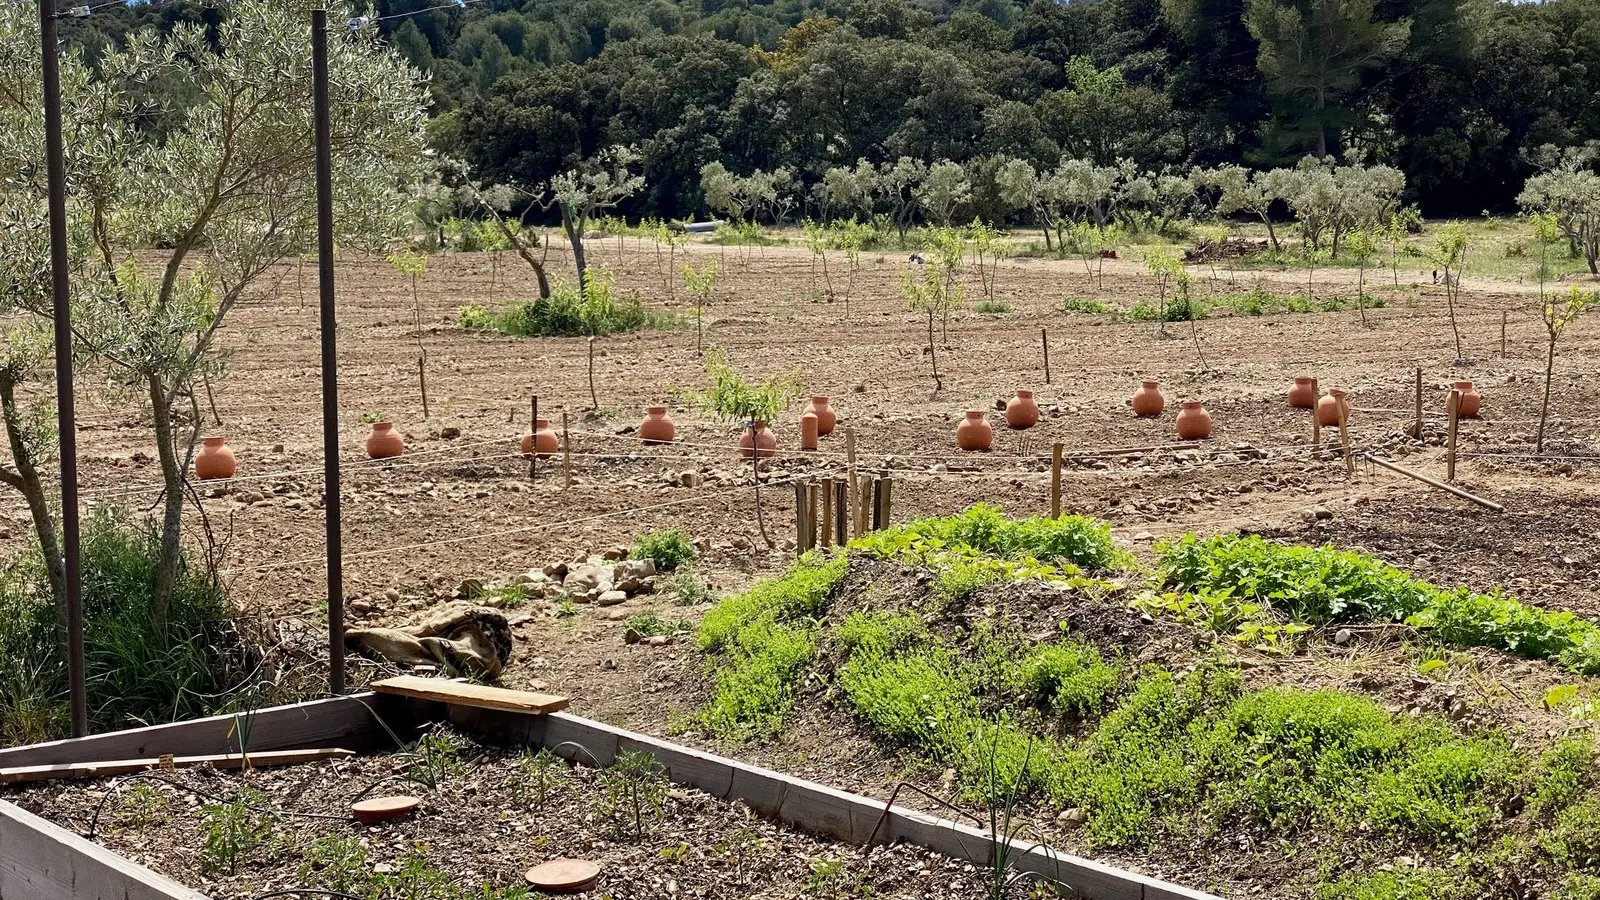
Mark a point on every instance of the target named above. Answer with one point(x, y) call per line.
point(466, 507)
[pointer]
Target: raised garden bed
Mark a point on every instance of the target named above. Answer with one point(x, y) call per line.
point(488, 814)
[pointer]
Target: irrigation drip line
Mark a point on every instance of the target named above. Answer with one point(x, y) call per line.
point(115, 786)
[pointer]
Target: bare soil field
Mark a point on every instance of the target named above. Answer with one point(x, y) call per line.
point(466, 507)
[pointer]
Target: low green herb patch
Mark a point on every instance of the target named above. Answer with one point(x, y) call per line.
point(1325, 584)
point(1075, 543)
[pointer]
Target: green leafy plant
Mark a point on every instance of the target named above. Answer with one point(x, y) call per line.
point(669, 549)
point(732, 398)
point(635, 790)
point(1324, 584)
point(436, 758)
point(689, 589)
point(539, 774)
point(700, 283)
point(336, 862)
point(650, 624)
point(991, 307)
point(233, 830)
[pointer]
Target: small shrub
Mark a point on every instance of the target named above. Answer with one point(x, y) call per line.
point(991, 307)
point(475, 318)
point(962, 578)
point(669, 549)
point(142, 805)
point(141, 671)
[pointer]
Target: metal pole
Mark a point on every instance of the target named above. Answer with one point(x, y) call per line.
point(330, 351)
point(66, 407)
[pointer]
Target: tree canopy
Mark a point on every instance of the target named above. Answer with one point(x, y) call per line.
point(1458, 95)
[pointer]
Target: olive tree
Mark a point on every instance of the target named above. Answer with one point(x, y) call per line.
point(943, 191)
point(224, 179)
point(1571, 194)
point(594, 186)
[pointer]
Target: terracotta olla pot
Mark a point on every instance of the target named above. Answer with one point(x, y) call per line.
point(1194, 423)
point(809, 422)
point(1471, 400)
point(657, 427)
point(1302, 395)
point(974, 433)
point(1147, 400)
point(214, 460)
point(758, 441)
point(826, 417)
point(541, 440)
point(1022, 411)
point(1328, 409)
point(384, 441)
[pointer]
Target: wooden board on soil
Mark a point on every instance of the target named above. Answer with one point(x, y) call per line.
point(127, 766)
point(463, 693)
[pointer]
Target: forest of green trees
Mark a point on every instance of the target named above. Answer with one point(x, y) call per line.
point(1459, 95)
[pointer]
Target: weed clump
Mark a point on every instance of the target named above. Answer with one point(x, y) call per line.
point(1077, 541)
point(668, 549)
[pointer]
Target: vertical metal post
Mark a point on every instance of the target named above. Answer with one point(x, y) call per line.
point(330, 350)
point(66, 406)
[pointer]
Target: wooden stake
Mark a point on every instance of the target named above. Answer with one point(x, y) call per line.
point(1453, 410)
point(1316, 415)
point(566, 453)
point(852, 490)
point(422, 381)
point(1044, 338)
point(827, 512)
point(1503, 314)
point(1488, 504)
point(799, 518)
point(1416, 428)
point(841, 491)
point(888, 500)
point(533, 429)
point(1344, 438)
point(864, 500)
point(1055, 481)
point(811, 516)
point(877, 504)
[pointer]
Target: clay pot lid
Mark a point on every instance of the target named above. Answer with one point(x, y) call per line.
point(383, 809)
point(564, 876)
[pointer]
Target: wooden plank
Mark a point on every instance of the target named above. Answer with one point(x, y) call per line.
point(126, 766)
point(357, 722)
point(40, 860)
point(814, 807)
point(464, 693)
